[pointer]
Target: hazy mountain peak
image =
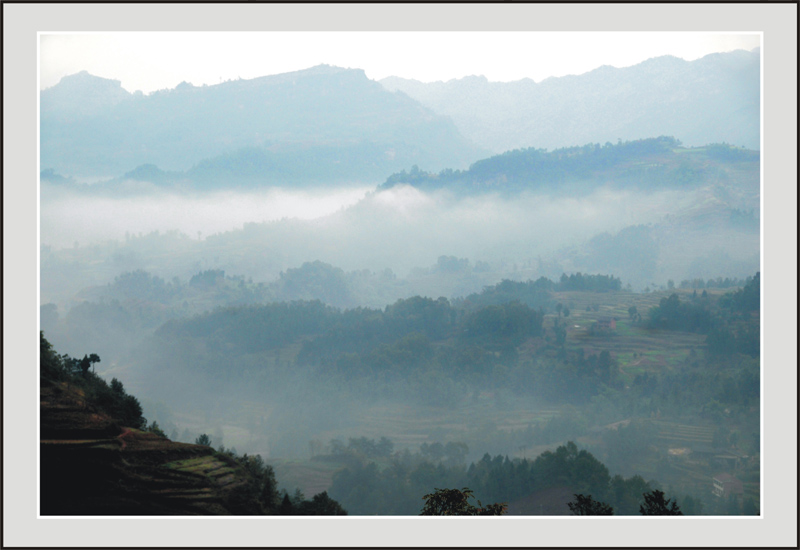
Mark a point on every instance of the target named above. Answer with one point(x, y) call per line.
point(324, 68)
point(82, 94)
point(337, 116)
point(84, 78)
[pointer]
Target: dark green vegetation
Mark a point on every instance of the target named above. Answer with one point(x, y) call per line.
point(654, 504)
point(390, 485)
point(99, 457)
point(434, 351)
point(653, 163)
point(515, 369)
point(585, 505)
point(452, 502)
point(323, 124)
point(729, 324)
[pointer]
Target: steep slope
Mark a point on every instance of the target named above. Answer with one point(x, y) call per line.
point(712, 99)
point(322, 118)
point(90, 465)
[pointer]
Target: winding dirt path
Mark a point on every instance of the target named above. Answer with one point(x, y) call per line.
point(126, 432)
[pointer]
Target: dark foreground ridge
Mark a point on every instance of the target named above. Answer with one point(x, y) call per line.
point(90, 465)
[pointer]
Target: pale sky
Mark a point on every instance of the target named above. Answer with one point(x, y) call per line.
point(149, 61)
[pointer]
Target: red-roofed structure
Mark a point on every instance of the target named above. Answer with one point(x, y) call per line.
point(726, 485)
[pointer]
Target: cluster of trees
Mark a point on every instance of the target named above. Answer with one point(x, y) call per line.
point(538, 294)
point(719, 282)
point(400, 336)
point(429, 350)
point(655, 504)
point(729, 152)
point(452, 502)
point(393, 486)
point(109, 398)
point(731, 323)
point(261, 495)
point(672, 314)
point(535, 294)
point(589, 283)
point(440, 352)
point(137, 302)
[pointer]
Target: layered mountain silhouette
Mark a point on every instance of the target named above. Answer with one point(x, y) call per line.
point(320, 124)
point(710, 100)
point(329, 125)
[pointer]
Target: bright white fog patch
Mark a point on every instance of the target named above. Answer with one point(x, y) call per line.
point(70, 218)
point(406, 200)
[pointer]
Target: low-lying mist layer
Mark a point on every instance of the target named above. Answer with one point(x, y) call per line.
point(68, 217)
point(260, 235)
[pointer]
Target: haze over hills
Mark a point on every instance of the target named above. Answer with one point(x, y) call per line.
point(329, 126)
point(295, 261)
point(709, 100)
point(320, 123)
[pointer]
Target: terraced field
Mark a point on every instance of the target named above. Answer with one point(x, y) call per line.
point(682, 433)
point(636, 348)
point(89, 465)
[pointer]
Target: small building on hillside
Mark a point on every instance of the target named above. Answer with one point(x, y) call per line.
point(726, 485)
point(604, 325)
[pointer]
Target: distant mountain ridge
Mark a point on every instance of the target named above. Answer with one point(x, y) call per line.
point(655, 163)
point(709, 100)
point(90, 126)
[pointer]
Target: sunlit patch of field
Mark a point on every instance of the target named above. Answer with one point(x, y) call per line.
point(208, 466)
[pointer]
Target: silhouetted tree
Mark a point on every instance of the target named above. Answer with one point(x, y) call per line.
point(87, 362)
point(321, 505)
point(585, 505)
point(154, 428)
point(656, 505)
point(452, 502)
